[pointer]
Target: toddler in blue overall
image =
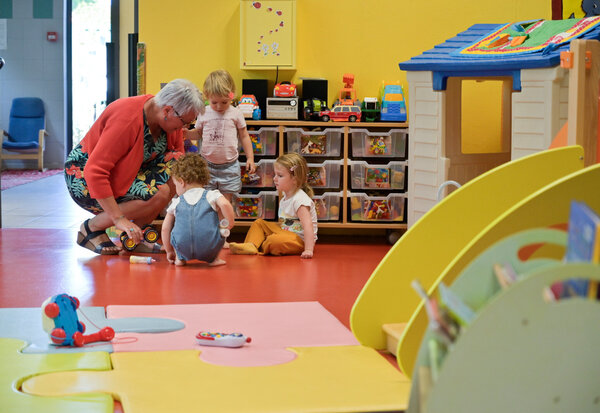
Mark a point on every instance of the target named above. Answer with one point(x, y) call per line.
point(191, 228)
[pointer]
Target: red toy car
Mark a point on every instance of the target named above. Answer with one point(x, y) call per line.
point(342, 113)
point(284, 90)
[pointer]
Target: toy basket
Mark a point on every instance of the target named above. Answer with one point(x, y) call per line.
point(370, 176)
point(377, 208)
point(253, 206)
point(328, 206)
point(325, 174)
point(264, 141)
point(262, 177)
point(366, 143)
point(327, 142)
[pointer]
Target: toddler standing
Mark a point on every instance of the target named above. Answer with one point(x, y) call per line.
point(191, 228)
point(296, 231)
point(220, 128)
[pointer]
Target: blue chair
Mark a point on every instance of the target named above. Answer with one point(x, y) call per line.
point(26, 131)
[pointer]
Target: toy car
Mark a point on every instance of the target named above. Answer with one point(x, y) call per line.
point(312, 108)
point(342, 113)
point(60, 321)
point(248, 105)
point(150, 235)
point(393, 106)
point(284, 90)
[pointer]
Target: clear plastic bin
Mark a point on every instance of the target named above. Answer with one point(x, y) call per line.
point(377, 208)
point(325, 174)
point(370, 176)
point(327, 142)
point(253, 206)
point(264, 141)
point(366, 143)
point(328, 206)
point(263, 177)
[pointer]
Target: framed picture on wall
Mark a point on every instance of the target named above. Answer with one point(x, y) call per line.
point(268, 34)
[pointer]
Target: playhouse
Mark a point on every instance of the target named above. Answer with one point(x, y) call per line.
point(535, 97)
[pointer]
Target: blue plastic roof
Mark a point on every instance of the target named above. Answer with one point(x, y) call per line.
point(443, 65)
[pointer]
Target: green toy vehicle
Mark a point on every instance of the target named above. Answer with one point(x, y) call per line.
point(312, 108)
point(371, 110)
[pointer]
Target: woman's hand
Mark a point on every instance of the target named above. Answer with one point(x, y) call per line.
point(132, 230)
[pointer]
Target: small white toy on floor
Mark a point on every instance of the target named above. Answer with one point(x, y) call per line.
point(206, 338)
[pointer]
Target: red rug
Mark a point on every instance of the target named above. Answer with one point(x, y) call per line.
point(14, 177)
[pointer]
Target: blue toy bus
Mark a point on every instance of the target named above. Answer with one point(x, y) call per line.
point(393, 105)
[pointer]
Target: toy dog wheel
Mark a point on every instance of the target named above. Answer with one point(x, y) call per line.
point(58, 336)
point(150, 234)
point(128, 243)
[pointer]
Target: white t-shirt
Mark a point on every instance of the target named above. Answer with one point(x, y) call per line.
point(193, 195)
point(288, 208)
point(220, 134)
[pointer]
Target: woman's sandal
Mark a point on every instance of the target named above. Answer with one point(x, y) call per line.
point(85, 240)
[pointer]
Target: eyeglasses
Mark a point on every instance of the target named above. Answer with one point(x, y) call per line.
point(183, 123)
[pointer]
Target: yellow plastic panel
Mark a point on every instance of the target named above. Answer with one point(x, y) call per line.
point(321, 379)
point(546, 207)
point(425, 250)
point(268, 34)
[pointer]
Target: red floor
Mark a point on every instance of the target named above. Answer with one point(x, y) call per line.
point(38, 263)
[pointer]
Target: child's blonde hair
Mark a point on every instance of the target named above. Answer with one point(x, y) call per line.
point(192, 169)
point(219, 83)
point(298, 168)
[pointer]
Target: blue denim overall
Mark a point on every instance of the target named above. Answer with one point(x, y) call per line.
point(195, 234)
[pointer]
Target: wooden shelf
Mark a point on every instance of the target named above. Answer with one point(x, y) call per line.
point(344, 222)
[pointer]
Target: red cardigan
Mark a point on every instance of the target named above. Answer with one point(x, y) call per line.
point(115, 144)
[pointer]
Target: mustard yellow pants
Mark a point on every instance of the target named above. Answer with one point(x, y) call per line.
point(269, 238)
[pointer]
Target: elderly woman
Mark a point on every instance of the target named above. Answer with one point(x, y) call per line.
point(121, 169)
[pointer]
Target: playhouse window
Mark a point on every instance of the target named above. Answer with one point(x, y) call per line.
point(481, 116)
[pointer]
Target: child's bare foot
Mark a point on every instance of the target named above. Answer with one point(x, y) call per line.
point(216, 262)
point(179, 263)
point(243, 248)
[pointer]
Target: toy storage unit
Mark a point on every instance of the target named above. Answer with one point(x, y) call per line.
point(354, 168)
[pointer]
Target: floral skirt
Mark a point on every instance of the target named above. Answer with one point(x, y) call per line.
point(152, 174)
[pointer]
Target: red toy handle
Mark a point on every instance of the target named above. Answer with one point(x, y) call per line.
point(106, 334)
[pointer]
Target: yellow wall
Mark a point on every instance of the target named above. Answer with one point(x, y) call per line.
point(126, 26)
point(190, 38)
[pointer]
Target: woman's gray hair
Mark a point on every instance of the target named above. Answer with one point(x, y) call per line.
point(182, 95)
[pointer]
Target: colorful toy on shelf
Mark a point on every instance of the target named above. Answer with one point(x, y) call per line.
point(378, 145)
point(377, 177)
point(313, 144)
point(248, 207)
point(313, 107)
point(342, 113)
point(284, 90)
point(248, 104)
point(348, 93)
point(370, 109)
point(377, 210)
point(393, 105)
point(317, 176)
point(234, 340)
point(257, 147)
point(60, 321)
point(250, 179)
point(150, 235)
